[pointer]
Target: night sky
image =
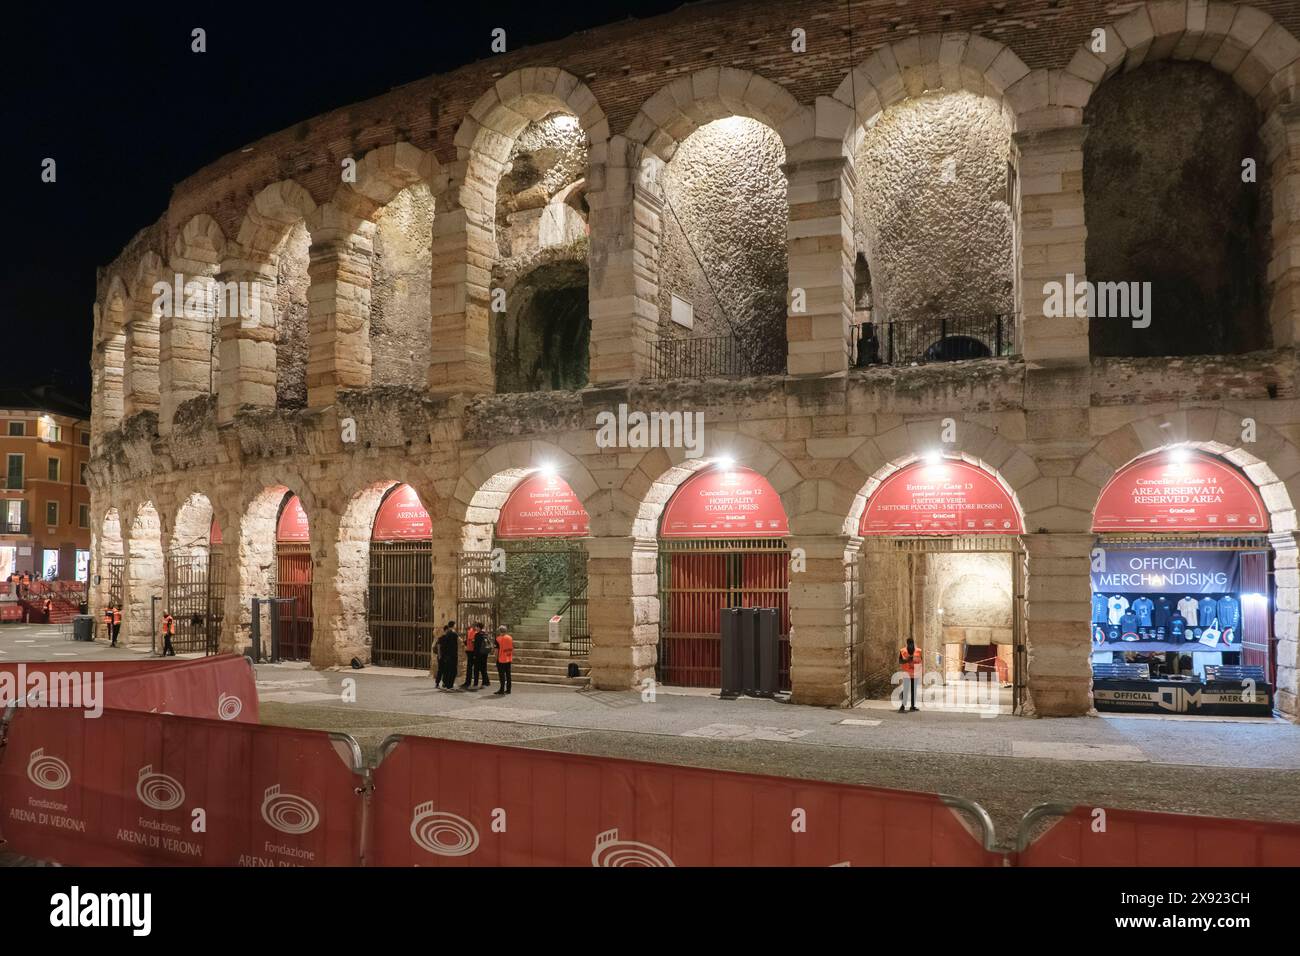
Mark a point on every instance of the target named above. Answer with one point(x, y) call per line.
point(113, 94)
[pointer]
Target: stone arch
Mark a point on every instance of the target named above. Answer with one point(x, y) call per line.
point(346, 630)
point(108, 545)
point(482, 489)
point(689, 102)
point(931, 62)
point(188, 354)
point(878, 458)
point(270, 216)
point(192, 531)
point(144, 574)
point(255, 550)
point(108, 361)
point(1242, 41)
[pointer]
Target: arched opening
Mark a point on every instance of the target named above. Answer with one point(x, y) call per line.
point(400, 288)
point(541, 328)
point(1177, 240)
point(293, 579)
point(938, 558)
point(110, 566)
point(399, 600)
point(934, 232)
point(196, 577)
point(722, 254)
point(1182, 587)
point(721, 541)
point(535, 570)
point(145, 582)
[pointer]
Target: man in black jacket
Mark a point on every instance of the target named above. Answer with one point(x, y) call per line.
point(448, 648)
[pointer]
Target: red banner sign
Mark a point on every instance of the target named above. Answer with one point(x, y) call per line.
point(543, 506)
point(1200, 493)
point(135, 789)
point(450, 803)
point(402, 517)
point(725, 503)
point(293, 524)
point(946, 497)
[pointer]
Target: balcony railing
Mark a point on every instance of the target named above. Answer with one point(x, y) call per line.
point(947, 339)
point(717, 356)
point(15, 527)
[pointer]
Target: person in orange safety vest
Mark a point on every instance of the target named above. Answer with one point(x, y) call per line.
point(910, 658)
point(505, 656)
point(169, 628)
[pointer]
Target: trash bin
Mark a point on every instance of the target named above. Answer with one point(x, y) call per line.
point(83, 628)
point(767, 652)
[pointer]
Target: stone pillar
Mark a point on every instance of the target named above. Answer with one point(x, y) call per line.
point(819, 620)
point(185, 355)
point(247, 346)
point(1286, 620)
point(338, 313)
point(1281, 135)
point(1057, 631)
point(464, 251)
point(140, 375)
point(446, 578)
point(1050, 242)
point(622, 611)
point(625, 221)
point(821, 251)
point(338, 629)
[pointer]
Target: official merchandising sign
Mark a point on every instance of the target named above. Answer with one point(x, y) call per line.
point(731, 502)
point(543, 506)
point(947, 497)
point(1203, 493)
point(1164, 572)
point(402, 517)
point(293, 525)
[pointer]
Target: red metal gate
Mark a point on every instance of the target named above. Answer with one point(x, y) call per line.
point(697, 580)
point(293, 580)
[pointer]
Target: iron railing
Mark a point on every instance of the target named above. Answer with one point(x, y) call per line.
point(945, 339)
point(717, 356)
point(15, 527)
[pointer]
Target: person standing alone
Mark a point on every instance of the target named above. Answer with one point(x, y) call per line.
point(910, 658)
point(169, 628)
point(117, 622)
point(505, 655)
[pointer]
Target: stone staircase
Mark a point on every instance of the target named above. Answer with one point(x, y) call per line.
point(537, 661)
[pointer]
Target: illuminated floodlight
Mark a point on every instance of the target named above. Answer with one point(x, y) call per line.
point(1179, 456)
point(547, 469)
point(933, 457)
point(725, 462)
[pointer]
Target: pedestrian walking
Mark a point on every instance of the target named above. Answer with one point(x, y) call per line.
point(108, 623)
point(482, 649)
point(910, 658)
point(448, 647)
point(505, 656)
point(117, 622)
point(168, 629)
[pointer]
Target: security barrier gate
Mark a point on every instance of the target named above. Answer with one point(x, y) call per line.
point(196, 594)
point(700, 577)
point(399, 604)
point(293, 580)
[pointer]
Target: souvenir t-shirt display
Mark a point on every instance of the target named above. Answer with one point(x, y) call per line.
point(1188, 607)
point(1117, 605)
point(1229, 612)
point(1160, 614)
point(1142, 607)
point(1207, 612)
point(1100, 612)
point(1177, 624)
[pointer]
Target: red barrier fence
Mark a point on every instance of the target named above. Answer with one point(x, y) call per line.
point(222, 687)
point(448, 803)
point(138, 789)
point(1082, 837)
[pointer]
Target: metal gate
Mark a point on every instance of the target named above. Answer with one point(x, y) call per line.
point(510, 585)
point(115, 568)
point(196, 594)
point(697, 580)
point(399, 604)
point(873, 680)
point(293, 580)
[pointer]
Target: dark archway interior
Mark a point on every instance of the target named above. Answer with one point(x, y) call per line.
point(1166, 204)
point(542, 341)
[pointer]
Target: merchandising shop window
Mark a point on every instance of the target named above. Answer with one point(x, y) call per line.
point(54, 465)
point(52, 513)
point(83, 516)
point(17, 429)
point(14, 474)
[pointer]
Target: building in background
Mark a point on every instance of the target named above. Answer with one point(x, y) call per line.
point(44, 504)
